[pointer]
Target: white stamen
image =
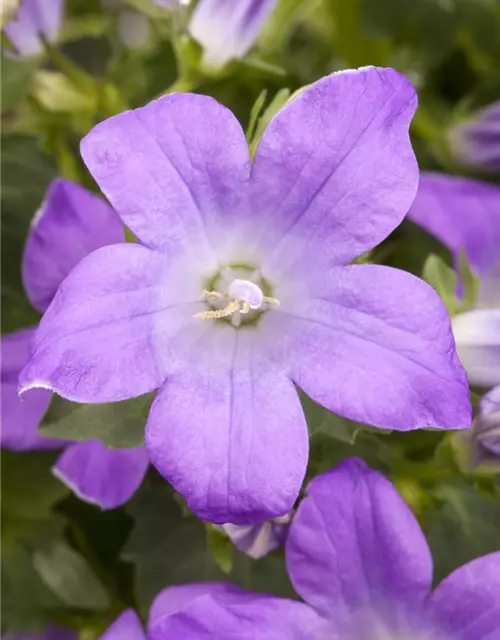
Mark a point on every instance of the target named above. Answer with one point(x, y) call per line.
point(247, 291)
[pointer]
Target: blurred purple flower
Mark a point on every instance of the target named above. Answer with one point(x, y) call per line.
point(35, 20)
point(239, 292)
point(464, 214)
point(476, 142)
point(51, 632)
point(356, 555)
point(227, 29)
point(71, 223)
point(257, 540)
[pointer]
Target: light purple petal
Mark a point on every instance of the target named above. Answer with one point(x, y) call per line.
point(487, 424)
point(105, 335)
point(102, 476)
point(229, 432)
point(467, 603)
point(476, 142)
point(257, 540)
point(226, 612)
point(335, 170)
point(354, 543)
point(126, 627)
point(462, 214)
point(227, 29)
point(71, 223)
point(477, 336)
point(35, 18)
point(20, 418)
point(175, 170)
point(382, 331)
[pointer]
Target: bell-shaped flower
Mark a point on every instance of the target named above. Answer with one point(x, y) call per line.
point(71, 223)
point(227, 29)
point(358, 558)
point(242, 290)
point(35, 21)
point(476, 142)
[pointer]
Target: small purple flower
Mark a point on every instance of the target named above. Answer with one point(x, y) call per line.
point(476, 142)
point(227, 29)
point(356, 555)
point(70, 224)
point(35, 20)
point(257, 540)
point(464, 214)
point(239, 292)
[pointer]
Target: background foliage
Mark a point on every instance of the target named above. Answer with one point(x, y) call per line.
point(67, 561)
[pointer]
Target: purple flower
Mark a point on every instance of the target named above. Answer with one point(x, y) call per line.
point(227, 29)
point(356, 555)
point(239, 292)
point(476, 142)
point(257, 540)
point(70, 224)
point(35, 20)
point(464, 214)
point(51, 632)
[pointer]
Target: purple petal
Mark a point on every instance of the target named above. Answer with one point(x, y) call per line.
point(382, 331)
point(462, 214)
point(486, 431)
point(126, 627)
point(467, 603)
point(173, 170)
point(226, 612)
point(257, 540)
point(227, 29)
point(477, 336)
point(335, 170)
point(476, 142)
point(354, 543)
point(103, 338)
point(102, 476)
point(20, 418)
point(35, 18)
point(229, 432)
point(71, 223)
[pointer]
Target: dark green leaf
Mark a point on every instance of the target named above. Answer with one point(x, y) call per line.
point(443, 279)
point(16, 81)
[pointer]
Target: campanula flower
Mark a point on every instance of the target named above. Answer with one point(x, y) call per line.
point(227, 29)
point(356, 555)
point(464, 215)
point(35, 20)
point(476, 142)
point(239, 292)
point(70, 224)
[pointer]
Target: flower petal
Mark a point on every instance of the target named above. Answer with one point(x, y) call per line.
point(226, 612)
point(374, 344)
point(126, 627)
point(229, 432)
point(105, 337)
point(227, 30)
point(467, 602)
point(354, 543)
point(462, 214)
point(477, 336)
point(476, 142)
point(71, 223)
point(35, 18)
point(335, 169)
point(102, 476)
point(172, 170)
point(20, 418)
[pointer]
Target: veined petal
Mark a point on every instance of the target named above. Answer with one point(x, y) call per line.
point(126, 627)
point(354, 543)
point(71, 223)
point(225, 612)
point(335, 170)
point(34, 19)
point(173, 170)
point(102, 476)
point(227, 29)
point(20, 418)
point(477, 336)
point(467, 602)
point(463, 214)
point(374, 344)
point(228, 431)
point(109, 333)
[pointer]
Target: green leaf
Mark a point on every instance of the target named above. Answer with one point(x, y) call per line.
point(70, 578)
point(470, 282)
point(320, 420)
point(117, 424)
point(271, 110)
point(255, 113)
point(443, 279)
point(221, 547)
point(17, 76)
